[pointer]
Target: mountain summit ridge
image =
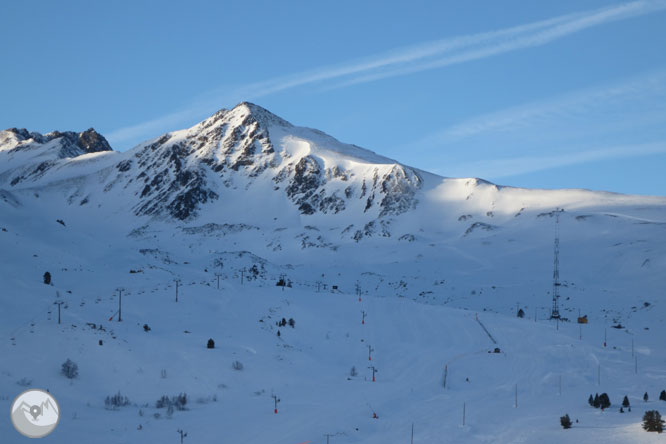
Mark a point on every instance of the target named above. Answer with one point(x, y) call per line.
point(255, 159)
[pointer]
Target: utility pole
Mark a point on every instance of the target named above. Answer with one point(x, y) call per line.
point(363, 319)
point(275, 400)
point(636, 364)
point(605, 336)
point(516, 406)
point(120, 305)
point(446, 373)
point(555, 313)
point(374, 370)
point(412, 433)
point(464, 413)
point(370, 350)
point(59, 303)
point(182, 435)
point(328, 435)
point(177, 284)
point(580, 332)
point(632, 346)
point(218, 280)
point(358, 291)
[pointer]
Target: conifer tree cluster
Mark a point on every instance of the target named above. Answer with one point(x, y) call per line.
point(600, 401)
point(284, 322)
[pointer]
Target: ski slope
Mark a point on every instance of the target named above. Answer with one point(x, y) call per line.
point(308, 366)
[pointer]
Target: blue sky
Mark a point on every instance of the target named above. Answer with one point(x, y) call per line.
point(534, 94)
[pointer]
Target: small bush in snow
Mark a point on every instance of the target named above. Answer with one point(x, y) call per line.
point(178, 402)
point(662, 395)
point(47, 278)
point(565, 421)
point(115, 401)
point(24, 382)
point(69, 369)
point(211, 343)
point(237, 365)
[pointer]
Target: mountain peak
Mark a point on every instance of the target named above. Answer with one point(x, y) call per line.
point(93, 142)
point(72, 143)
point(245, 110)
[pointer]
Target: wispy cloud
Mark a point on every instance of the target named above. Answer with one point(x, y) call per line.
point(512, 39)
point(500, 168)
point(648, 87)
point(405, 60)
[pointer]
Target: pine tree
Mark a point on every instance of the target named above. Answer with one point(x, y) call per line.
point(47, 278)
point(625, 402)
point(604, 401)
point(662, 395)
point(645, 397)
point(211, 343)
point(565, 421)
point(652, 421)
point(590, 401)
point(596, 404)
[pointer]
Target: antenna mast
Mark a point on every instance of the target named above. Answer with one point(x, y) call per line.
point(555, 313)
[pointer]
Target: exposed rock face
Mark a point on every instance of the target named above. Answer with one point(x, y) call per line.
point(398, 188)
point(169, 185)
point(72, 144)
point(307, 191)
point(93, 142)
point(479, 226)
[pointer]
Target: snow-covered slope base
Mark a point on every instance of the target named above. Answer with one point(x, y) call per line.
point(247, 199)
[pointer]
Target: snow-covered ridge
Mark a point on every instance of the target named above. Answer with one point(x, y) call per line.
point(248, 156)
point(182, 172)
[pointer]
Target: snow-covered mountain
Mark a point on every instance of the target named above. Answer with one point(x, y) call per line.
point(246, 198)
